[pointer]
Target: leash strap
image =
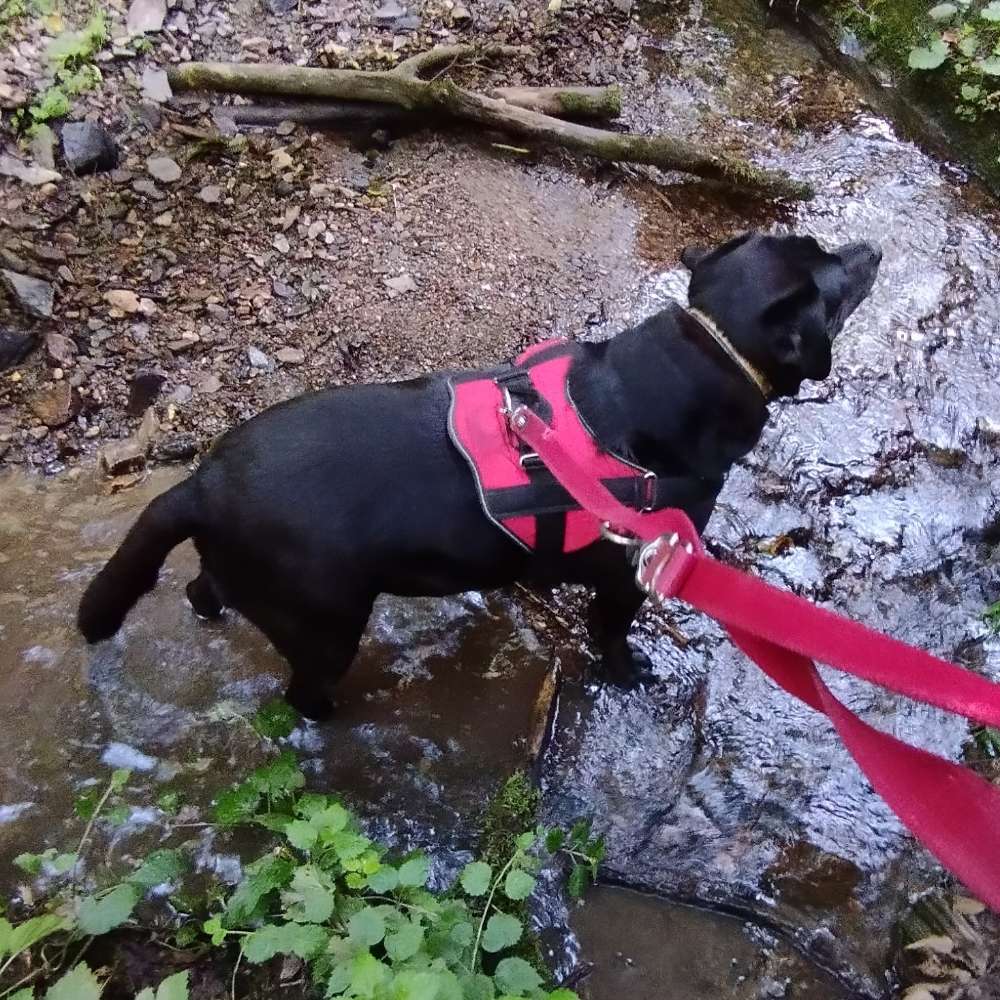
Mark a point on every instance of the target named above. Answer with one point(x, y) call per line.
point(952, 811)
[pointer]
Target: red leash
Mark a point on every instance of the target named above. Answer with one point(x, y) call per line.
point(948, 808)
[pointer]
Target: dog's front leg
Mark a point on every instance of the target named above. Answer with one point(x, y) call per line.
point(611, 615)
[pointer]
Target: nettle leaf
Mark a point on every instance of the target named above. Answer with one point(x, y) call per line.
point(515, 976)
point(262, 877)
point(100, 914)
point(518, 885)
point(414, 872)
point(930, 57)
point(943, 11)
point(384, 880)
point(477, 878)
point(160, 868)
point(969, 45)
point(526, 841)
point(304, 940)
point(236, 805)
point(991, 66)
point(172, 988)
point(348, 846)
point(367, 975)
point(118, 815)
point(991, 12)
point(119, 778)
point(561, 995)
point(405, 942)
point(30, 863)
point(478, 987)
point(302, 835)
point(280, 777)
point(63, 863)
point(413, 985)
point(276, 720)
point(462, 933)
point(214, 929)
point(79, 984)
point(310, 898)
point(28, 934)
point(502, 931)
point(367, 926)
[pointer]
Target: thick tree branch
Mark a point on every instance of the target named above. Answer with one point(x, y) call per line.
point(446, 98)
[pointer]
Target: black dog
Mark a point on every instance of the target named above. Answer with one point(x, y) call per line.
point(305, 514)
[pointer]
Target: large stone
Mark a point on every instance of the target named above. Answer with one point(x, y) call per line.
point(145, 15)
point(33, 295)
point(60, 350)
point(15, 346)
point(27, 173)
point(87, 148)
point(55, 405)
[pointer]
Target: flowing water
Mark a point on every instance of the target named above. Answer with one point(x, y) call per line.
point(874, 493)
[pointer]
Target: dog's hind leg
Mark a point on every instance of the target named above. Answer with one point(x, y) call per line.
point(319, 654)
point(203, 595)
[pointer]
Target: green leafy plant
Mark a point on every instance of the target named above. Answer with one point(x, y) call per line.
point(363, 919)
point(963, 38)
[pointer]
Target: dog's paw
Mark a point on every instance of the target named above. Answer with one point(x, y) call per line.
point(309, 703)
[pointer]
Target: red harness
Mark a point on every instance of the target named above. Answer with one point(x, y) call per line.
point(951, 810)
point(518, 492)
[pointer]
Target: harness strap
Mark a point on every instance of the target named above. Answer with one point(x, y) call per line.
point(951, 810)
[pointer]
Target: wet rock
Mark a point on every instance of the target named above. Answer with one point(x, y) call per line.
point(210, 194)
point(15, 345)
point(145, 15)
point(142, 391)
point(258, 359)
point(290, 356)
point(804, 875)
point(625, 6)
point(281, 6)
point(56, 405)
point(60, 350)
point(87, 148)
point(123, 300)
point(150, 116)
point(460, 14)
point(34, 296)
point(177, 446)
point(181, 394)
point(155, 85)
point(146, 187)
point(27, 173)
point(122, 457)
point(163, 169)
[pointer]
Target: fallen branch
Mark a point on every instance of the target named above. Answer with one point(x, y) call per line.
point(403, 88)
point(559, 102)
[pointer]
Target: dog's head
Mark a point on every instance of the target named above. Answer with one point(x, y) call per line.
point(781, 300)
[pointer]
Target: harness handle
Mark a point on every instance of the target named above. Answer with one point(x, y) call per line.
point(947, 807)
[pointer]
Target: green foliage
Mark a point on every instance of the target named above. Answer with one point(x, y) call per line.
point(963, 39)
point(992, 617)
point(362, 919)
point(275, 720)
point(987, 740)
point(72, 49)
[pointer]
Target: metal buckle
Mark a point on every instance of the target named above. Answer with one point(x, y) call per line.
point(619, 538)
point(648, 553)
point(508, 404)
point(648, 491)
point(531, 458)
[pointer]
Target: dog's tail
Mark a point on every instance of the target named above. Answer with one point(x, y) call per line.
point(132, 571)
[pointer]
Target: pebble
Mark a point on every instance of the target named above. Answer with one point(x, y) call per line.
point(400, 285)
point(27, 173)
point(55, 405)
point(163, 169)
point(155, 85)
point(145, 15)
point(290, 356)
point(210, 194)
point(123, 299)
point(257, 358)
point(60, 350)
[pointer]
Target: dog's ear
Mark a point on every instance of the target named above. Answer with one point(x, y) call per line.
point(691, 257)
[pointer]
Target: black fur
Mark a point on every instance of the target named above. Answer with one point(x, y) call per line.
point(305, 514)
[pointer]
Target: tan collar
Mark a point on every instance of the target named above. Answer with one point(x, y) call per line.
point(754, 374)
